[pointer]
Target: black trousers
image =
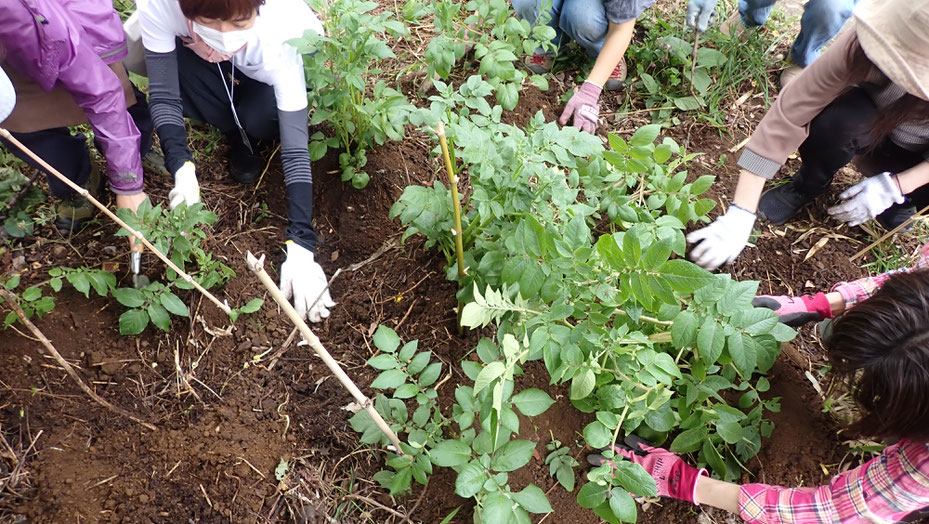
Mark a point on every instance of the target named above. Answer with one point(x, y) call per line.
point(838, 134)
point(204, 97)
point(68, 153)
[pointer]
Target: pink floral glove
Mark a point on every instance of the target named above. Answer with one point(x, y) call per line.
point(796, 311)
point(583, 108)
point(673, 477)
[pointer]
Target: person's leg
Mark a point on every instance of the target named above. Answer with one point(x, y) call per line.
point(585, 22)
point(530, 9)
point(65, 152)
point(836, 136)
point(838, 133)
point(143, 121)
point(256, 106)
point(70, 156)
point(755, 12)
point(821, 21)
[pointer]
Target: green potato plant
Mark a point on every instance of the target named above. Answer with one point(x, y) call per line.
point(342, 73)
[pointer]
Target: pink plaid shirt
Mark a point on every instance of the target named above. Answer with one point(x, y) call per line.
point(863, 288)
point(883, 490)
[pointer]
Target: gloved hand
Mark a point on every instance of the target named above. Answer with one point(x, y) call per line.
point(673, 477)
point(867, 199)
point(723, 240)
point(796, 311)
point(304, 280)
point(583, 108)
point(700, 14)
point(186, 189)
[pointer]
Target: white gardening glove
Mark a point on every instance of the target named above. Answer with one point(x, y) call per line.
point(186, 189)
point(700, 14)
point(723, 240)
point(304, 280)
point(867, 199)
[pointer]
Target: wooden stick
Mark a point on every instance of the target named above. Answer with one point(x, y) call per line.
point(456, 205)
point(256, 265)
point(8, 297)
point(86, 194)
point(890, 233)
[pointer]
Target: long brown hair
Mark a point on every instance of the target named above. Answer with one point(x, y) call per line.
point(881, 347)
point(909, 108)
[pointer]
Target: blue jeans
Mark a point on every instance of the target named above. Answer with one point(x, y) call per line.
point(583, 21)
point(821, 21)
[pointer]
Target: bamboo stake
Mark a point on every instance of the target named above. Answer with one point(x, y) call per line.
point(86, 194)
point(456, 205)
point(256, 265)
point(10, 300)
point(889, 233)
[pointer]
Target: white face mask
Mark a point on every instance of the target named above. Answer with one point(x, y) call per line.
point(227, 42)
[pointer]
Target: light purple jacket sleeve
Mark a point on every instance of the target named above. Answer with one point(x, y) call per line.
point(46, 41)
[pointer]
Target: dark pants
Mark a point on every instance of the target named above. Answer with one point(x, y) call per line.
point(842, 131)
point(205, 99)
point(68, 153)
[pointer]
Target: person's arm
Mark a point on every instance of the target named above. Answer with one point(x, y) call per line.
point(164, 102)
point(298, 177)
point(885, 489)
point(615, 44)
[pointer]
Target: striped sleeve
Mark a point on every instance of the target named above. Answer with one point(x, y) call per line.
point(883, 490)
point(862, 289)
point(298, 177)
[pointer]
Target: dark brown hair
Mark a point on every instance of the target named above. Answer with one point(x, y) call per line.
point(882, 348)
point(909, 108)
point(220, 9)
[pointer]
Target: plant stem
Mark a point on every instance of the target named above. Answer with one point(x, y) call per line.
point(456, 204)
point(651, 320)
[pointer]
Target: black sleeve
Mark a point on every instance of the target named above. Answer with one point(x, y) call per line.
point(298, 177)
point(167, 110)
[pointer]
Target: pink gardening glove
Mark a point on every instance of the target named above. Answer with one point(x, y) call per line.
point(583, 108)
point(673, 477)
point(796, 311)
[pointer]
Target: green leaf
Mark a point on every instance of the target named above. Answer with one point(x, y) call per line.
point(713, 458)
point(738, 296)
point(401, 481)
point(173, 304)
point(583, 384)
point(55, 284)
point(532, 402)
point(251, 306)
point(730, 431)
point(709, 57)
point(487, 375)
point(132, 322)
point(407, 351)
point(430, 374)
point(744, 353)
point(533, 500)
point(591, 495)
point(597, 435)
point(129, 297)
point(419, 362)
point(684, 276)
point(690, 440)
point(711, 340)
point(622, 505)
point(450, 453)
point(513, 455)
point(684, 329)
point(386, 339)
point(11, 284)
point(498, 508)
point(470, 479)
point(383, 361)
point(634, 478)
point(645, 135)
point(390, 379)
point(756, 320)
point(656, 254)
point(31, 294)
point(406, 391)
point(687, 103)
point(159, 317)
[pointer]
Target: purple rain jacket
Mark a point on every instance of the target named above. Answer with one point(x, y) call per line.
point(70, 43)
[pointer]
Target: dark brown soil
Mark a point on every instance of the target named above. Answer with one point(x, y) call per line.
point(226, 420)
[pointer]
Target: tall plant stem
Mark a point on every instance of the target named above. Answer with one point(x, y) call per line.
point(456, 204)
point(86, 194)
point(256, 266)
